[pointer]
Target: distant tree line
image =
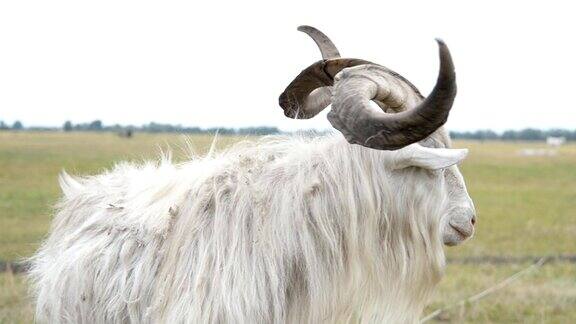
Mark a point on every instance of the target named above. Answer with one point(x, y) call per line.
point(528, 134)
point(98, 126)
point(17, 125)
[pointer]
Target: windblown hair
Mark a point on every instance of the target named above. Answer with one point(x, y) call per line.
point(288, 229)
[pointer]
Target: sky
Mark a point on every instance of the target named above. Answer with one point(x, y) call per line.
point(224, 64)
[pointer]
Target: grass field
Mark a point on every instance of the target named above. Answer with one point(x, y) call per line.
point(526, 207)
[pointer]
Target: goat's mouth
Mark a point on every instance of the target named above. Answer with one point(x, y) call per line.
point(463, 233)
point(455, 234)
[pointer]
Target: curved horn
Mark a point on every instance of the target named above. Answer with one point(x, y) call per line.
point(310, 92)
point(363, 125)
point(327, 48)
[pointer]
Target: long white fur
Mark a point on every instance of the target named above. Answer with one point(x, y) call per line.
point(288, 229)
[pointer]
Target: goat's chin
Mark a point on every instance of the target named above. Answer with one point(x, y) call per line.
point(451, 237)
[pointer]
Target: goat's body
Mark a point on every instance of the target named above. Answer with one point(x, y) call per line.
point(288, 230)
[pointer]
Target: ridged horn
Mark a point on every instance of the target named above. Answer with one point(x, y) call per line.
point(327, 48)
point(310, 92)
point(363, 125)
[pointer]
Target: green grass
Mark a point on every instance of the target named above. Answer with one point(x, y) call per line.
point(543, 295)
point(29, 168)
point(15, 306)
point(525, 204)
point(525, 207)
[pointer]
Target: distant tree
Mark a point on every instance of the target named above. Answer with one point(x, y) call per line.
point(3, 125)
point(509, 135)
point(531, 134)
point(17, 125)
point(68, 126)
point(487, 134)
point(95, 125)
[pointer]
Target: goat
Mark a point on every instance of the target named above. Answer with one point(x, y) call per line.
point(297, 229)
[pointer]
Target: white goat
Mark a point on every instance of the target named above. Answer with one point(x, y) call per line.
point(288, 229)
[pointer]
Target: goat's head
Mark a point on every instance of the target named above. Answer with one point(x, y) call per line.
point(375, 107)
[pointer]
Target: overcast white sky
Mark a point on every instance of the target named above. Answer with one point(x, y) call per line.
point(214, 63)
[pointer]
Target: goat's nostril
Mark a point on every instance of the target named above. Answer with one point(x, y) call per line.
point(473, 220)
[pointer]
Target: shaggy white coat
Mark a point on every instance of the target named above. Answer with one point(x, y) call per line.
point(298, 230)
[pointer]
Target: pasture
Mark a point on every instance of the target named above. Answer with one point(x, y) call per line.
point(525, 209)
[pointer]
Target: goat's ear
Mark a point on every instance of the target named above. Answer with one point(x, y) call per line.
point(428, 158)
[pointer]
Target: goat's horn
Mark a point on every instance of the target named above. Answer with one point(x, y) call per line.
point(361, 124)
point(311, 91)
point(327, 48)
